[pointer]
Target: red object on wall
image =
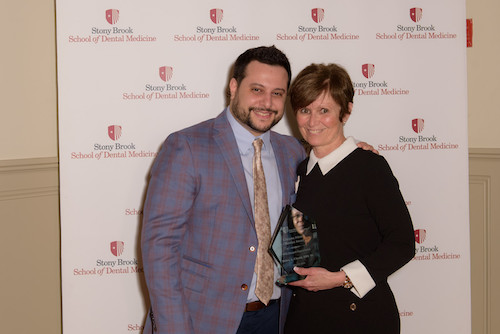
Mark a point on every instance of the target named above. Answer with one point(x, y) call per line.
point(469, 33)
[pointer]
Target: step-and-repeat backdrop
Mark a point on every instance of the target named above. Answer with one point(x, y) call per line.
point(132, 72)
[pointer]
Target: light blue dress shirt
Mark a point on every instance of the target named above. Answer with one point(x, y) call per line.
point(244, 140)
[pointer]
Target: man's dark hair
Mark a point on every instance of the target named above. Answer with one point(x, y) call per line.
point(269, 55)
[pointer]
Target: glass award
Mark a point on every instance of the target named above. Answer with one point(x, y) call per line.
point(294, 244)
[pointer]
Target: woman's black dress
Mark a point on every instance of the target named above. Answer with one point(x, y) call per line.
point(361, 215)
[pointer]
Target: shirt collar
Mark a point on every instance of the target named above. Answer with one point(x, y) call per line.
point(244, 138)
point(333, 158)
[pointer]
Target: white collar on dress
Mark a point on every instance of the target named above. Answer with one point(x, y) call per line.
point(333, 158)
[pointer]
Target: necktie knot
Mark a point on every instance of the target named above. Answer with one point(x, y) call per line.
point(257, 145)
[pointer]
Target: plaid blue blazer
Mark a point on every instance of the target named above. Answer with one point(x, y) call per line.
point(198, 228)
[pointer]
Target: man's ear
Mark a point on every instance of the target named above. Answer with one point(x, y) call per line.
point(233, 86)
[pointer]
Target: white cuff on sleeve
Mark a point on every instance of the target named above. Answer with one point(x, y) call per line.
point(360, 278)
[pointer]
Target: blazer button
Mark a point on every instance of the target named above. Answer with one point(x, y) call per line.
point(252, 248)
point(352, 307)
point(244, 287)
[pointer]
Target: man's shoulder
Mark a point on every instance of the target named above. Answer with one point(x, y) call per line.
point(201, 127)
point(199, 130)
point(288, 147)
point(285, 139)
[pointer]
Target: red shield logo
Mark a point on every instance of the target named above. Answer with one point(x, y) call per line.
point(368, 70)
point(317, 14)
point(112, 16)
point(416, 14)
point(166, 73)
point(216, 15)
point(417, 125)
point(117, 247)
point(114, 131)
point(420, 235)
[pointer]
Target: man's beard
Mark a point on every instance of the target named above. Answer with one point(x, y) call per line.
point(247, 120)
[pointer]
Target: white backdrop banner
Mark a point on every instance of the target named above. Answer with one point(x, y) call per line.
point(132, 72)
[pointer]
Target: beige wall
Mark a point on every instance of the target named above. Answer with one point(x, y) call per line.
point(28, 154)
point(483, 71)
point(30, 299)
point(28, 79)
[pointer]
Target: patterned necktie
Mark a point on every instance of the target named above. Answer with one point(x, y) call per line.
point(264, 266)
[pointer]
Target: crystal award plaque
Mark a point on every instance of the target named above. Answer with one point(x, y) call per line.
point(294, 244)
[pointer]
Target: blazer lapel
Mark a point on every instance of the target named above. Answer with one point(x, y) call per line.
point(224, 137)
point(283, 169)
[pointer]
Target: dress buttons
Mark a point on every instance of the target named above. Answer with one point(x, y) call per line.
point(244, 287)
point(352, 307)
point(252, 248)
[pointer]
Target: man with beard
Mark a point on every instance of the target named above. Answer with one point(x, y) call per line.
point(199, 241)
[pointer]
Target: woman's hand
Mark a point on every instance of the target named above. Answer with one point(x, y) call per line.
point(318, 278)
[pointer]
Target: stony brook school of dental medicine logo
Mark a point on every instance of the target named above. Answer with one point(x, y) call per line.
point(113, 264)
point(112, 16)
point(113, 150)
point(209, 33)
point(117, 247)
point(322, 30)
point(424, 252)
point(368, 70)
point(420, 235)
point(418, 31)
point(317, 14)
point(164, 87)
point(216, 15)
point(166, 73)
point(417, 124)
point(416, 14)
point(114, 132)
point(110, 31)
point(420, 142)
point(375, 87)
